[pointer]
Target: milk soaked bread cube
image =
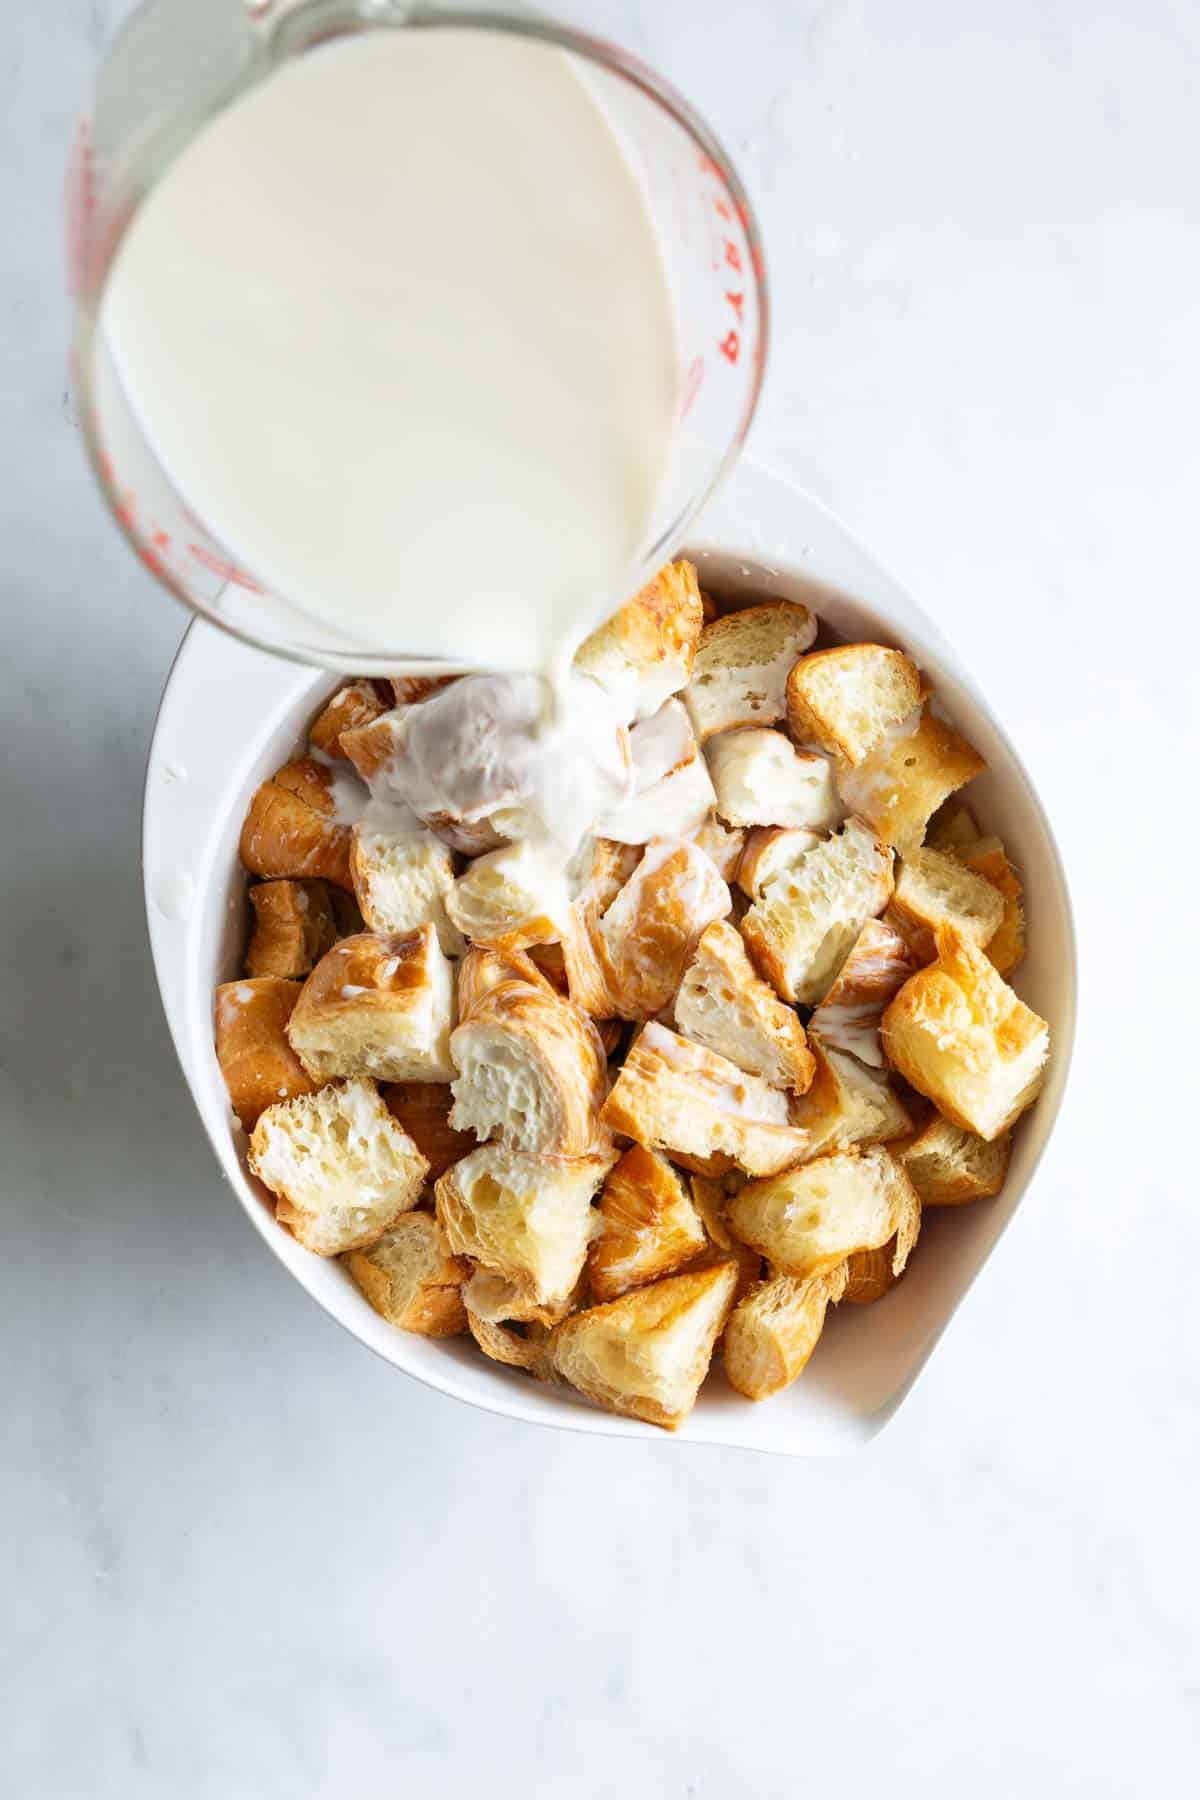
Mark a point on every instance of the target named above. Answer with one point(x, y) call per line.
point(724, 844)
point(411, 1279)
point(700, 1108)
point(257, 1062)
point(646, 1354)
point(768, 851)
point(526, 1218)
point(531, 1070)
point(423, 1108)
point(725, 1006)
point(358, 703)
point(774, 1330)
point(403, 875)
point(647, 1226)
point(848, 1018)
point(740, 672)
point(512, 897)
point(293, 928)
point(949, 1166)
point(960, 1036)
point(905, 777)
point(846, 698)
point(986, 857)
point(643, 654)
point(935, 888)
point(378, 1006)
point(672, 792)
point(848, 1103)
point(761, 778)
point(812, 1217)
point(648, 932)
point(801, 929)
point(341, 1168)
point(291, 829)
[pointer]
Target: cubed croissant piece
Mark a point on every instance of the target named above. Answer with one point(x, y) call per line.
point(259, 1065)
point(672, 792)
point(292, 829)
point(846, 698)
point(526, 1218)
point(483, 969)
point(378, 1006)
point(591, 979)
point(643, 654)
point(700, 1108)
point(960, 1035)
point(340, 1166)
point(762, 779)
point(739, 676)
point(870, 1275)
point(410, 690)
point(848, 1104)
point(403, 875)
point(501, 1300)
point(293, 928)
point(423, 1108)
point(710, 1198)
point(411, 1279)
point(1006, 946)
point(935, 888)
point(518, 1347)
point(879, 964)
point(725, 845)
point(952, 827)
point(949, 1166)
point(774, 1330)
point(548, 959)
point(810, 1218)
point(648, 1226)
point(530, 1069)
point(646, 1354)
point(899, 785)
point(801, 929)
point(512, 897)
point(372, 747)
point(358, 703)
point(649, 931)
point(768, 851)
point(725, 1006)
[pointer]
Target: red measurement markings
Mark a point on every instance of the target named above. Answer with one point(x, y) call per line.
point(727, 253)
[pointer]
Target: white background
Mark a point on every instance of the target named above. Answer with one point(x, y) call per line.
point(243, 1558)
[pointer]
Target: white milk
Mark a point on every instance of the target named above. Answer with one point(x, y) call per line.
point(398, 327)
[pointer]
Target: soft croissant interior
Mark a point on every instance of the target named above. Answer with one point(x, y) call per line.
point(672, 1099)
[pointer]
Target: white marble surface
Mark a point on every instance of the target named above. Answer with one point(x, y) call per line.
point(242, 1558)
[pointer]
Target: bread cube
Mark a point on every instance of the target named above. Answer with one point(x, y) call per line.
point(378, 1006)
point(483, 969)
point(643, 654)
point(949, 1166)
point(341, 1168)
point(768, 851)
point(801, 929)
point(672, 791)
point(740, 673)
point(530, 1069)
point(526, 1218)
point(848, 1018)
point(848, 1104)
point(520, 1347)
point(423, 1108)
point(700, 1108)
point(725, 1006)
point(762, 779)
point(646, 1354)
point(292, 828)
point(1006, 946)
point(591, 979)
point(724, 844)
point(411, 1279)
point(647, 934)
point(810, 1218)
point(512, 897)
point(259, 1065)
point(960, 1035)
point(773, 1331)
point(846, 698)
point(869, 1274)
point(293, 928)
point(648, 1226)
point(902, 781)
point(403, 875)
point(935, 888)
point(358, 703)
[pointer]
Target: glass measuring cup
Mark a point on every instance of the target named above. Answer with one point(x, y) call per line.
point(179, 63)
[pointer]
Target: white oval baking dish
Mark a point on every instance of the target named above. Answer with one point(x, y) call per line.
point(230, 715)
